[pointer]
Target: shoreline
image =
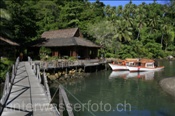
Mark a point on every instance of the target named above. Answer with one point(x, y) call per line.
point(168, 85)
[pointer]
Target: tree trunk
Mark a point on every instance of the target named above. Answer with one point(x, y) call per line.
point(166, 46)
point(138, 35)
point(162, 41)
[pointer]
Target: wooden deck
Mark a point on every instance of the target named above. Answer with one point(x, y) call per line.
point(67, 64)
point(27, 96)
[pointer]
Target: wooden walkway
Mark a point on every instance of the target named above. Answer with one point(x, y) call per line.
point(27, 96)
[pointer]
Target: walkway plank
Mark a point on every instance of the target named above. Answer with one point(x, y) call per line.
point(27, 97)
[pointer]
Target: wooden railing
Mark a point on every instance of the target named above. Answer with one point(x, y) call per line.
point(63, 99)
point(68, 63)
point(46, 86)
point(8, 85)
point(43, 81)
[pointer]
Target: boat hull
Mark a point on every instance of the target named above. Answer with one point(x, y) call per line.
point(116, 67)
point(143, 69)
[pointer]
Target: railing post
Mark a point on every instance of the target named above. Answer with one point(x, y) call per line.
point(60, 102)
point(63, 95)
point(16, 65)
point(7, 83)
point(34, 68)
point(33, 65)
point(30, 60)
point(38, 73)
point(6, 90)
point(13, 74)
point(46, 86)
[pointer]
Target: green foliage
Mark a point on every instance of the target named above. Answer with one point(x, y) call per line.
point(110, 55)
point(142, 31)
point(4, 18)
point(23, 24)
point(52, 58)
point(72, 58)
point(80, 14)
point(5, 65)
point(4, 14)
point(44, 53)
point(155, 50)
point(145, 30)
point(47, 15)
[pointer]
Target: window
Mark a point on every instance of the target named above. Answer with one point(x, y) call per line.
point(150, 65)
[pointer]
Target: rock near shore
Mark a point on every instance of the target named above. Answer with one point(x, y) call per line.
point(168, 85)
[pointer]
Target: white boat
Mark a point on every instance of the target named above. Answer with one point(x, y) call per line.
point(144, 65)
point(122, 64)
point(117, 67)
point(135, 65)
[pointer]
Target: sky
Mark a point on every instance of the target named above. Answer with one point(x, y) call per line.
point(123, 2)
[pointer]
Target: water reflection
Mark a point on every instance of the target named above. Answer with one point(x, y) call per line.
point(127, 74)
point(116, 74)
point(146, 97)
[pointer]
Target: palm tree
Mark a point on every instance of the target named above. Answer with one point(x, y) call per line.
point(166, 26)
point(169, 36)
point(119, 11)
point(140, 17)
point(110, 13)
point(122, 30)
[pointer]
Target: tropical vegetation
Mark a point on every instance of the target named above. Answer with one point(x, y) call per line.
point(145, 30)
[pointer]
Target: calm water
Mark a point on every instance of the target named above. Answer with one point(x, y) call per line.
point(108, 93)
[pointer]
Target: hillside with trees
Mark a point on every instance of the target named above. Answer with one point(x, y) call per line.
point(145, 30)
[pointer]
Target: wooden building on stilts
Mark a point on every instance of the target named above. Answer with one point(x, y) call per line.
point(67, 42)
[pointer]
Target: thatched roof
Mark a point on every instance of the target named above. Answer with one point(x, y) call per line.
point(61, 33)
point(62, 42)
point(8, 41)
point(64, 37)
